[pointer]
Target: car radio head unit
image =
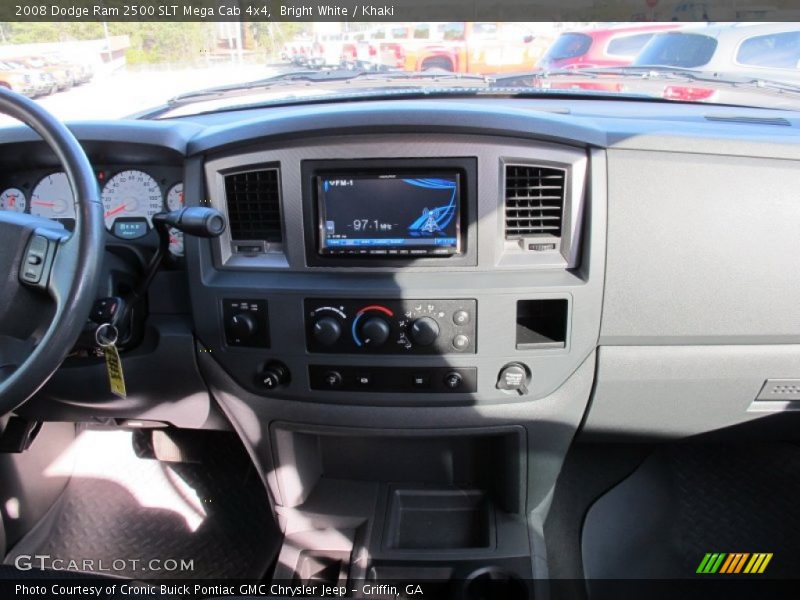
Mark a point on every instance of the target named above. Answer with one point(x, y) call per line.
point(389, 214)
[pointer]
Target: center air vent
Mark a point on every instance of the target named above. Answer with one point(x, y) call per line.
point(254, 212)
point(534, 201)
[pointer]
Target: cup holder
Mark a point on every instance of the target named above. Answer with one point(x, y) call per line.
point(491, 583)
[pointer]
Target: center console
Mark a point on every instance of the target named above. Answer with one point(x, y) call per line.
point(420, 270)
point(441, 510)
point(402, 328)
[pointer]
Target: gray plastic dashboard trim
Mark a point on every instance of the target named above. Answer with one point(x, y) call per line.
point(701, 250)
point(174, 135)
point(665, 127)
point(396, 117)
point(677, 391)
point(492, 154)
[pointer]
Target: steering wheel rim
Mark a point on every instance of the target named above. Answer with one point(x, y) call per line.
point(73, 272)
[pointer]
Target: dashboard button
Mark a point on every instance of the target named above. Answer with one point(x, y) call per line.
point(364, 380)
point(275, 374)
point(460, 342)
point(461, 317)
point(333, 379)
point(421, 381)
point(453, 380)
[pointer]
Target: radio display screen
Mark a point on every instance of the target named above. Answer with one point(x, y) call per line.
point(393, 215)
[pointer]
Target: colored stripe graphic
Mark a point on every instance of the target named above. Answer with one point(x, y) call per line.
point(729, 562)
point(757, 558)
point(711, 562)
point(758, 563)
point(703, 563)
point(734, 563)
point(741, 562)
point(715, 567)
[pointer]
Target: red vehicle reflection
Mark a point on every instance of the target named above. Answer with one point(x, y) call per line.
point(607, 47)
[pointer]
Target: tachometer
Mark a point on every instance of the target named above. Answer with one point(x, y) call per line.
point(175, 197)
point(132, 198)
point(52, 198)
point(13, 199)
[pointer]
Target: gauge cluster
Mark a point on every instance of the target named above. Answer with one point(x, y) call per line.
point(130, 196)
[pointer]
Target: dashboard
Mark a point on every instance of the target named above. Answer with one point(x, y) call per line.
point(413, 296)
point(465, 260)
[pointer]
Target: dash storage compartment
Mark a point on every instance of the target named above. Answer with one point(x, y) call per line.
point(438, 519)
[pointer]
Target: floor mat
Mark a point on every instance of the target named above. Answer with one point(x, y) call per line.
point(689, 500)
point(143, 518)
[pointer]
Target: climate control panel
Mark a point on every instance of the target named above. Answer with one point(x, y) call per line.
point(354, 326)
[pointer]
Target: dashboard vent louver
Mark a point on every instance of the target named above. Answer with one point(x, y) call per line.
point(750, 120)
point(253, 199)
point(534, 201)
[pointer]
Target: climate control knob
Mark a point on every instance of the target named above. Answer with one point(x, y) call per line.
point(327, 330)
point(374, 331)
point(424, 331)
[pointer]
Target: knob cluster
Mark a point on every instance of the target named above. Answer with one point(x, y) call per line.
point(373, 330)
point(392, 326)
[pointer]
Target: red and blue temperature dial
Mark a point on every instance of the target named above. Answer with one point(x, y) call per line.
point(370, 326)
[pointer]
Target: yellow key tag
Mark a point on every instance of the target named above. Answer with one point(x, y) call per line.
point(114, 368)
point(106, 338)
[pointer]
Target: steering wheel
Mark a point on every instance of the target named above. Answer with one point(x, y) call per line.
point(49, 276)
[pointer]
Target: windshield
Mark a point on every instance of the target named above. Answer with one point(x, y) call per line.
point(97, 70)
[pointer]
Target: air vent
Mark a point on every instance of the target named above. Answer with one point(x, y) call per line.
point(254, 212)
point(750, 120)
point(534, 199)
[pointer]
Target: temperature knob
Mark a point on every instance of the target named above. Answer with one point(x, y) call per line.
point(327, 330)
point(374, 331)
point(424, 331)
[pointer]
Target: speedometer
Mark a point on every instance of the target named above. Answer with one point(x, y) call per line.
point(12, 199)
point(52, 198)
point(130, 199)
